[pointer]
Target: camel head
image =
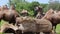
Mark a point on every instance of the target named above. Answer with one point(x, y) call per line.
point(12, 7)
point(5, 7)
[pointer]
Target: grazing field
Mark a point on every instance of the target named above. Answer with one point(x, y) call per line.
point(57, 29)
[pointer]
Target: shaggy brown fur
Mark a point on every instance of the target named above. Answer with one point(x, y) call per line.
point(53, 17)
point(34, 25)
point(48, 14)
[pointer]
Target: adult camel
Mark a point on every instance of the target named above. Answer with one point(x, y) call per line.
point(32, 25)
point(53, 17)
point(38, 12)
point(10, 14)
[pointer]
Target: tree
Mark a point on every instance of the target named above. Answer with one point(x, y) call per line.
point(22, 4)
point(44, 6)
point(54, 4)
point(34, 4)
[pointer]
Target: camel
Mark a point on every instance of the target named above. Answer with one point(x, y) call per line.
point(27, 24)
point(10, 14)
point(39, 13)
point(53, 17)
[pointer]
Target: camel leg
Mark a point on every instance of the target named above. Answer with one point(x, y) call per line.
point(52, 32)
point(54, 28)
point(37, 33)
point(0, 23)
point(41, 33)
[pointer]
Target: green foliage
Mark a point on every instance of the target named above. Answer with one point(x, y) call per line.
point(22, 4)
point(31, 13)
point(33, 5)
point(44, 6)
point(58, 28)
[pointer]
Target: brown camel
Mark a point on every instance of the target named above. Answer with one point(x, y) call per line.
point(39, 12)
point(48, 14)
point(53, 17)
point(27, 24)
point(10, 14)
point(56, 19)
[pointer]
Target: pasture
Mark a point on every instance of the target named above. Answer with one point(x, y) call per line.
point(58, 29)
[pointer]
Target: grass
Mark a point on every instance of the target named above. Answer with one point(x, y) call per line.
point(57, 29)
point(1, 33)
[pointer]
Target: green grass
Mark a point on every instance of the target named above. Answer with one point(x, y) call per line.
point(58, 29)
point(1, 33)
point(2, 22)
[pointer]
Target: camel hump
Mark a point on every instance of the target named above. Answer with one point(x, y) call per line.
point(50, 11)
point(44, 25)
